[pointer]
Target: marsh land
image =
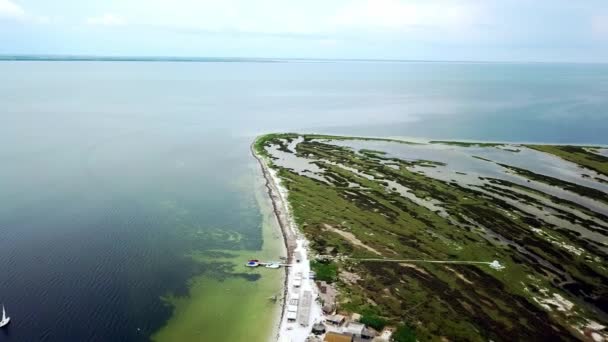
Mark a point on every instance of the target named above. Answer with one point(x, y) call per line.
point(540, 210)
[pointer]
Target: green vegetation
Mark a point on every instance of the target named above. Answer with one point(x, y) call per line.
point(464, 143)
point(404, 334)
point(372, 153)
point(484, 223)
point(343, 137)
point(374, 321)
point(264, 141)
point(275, 138)
point(324, 271)
point(578, 189)
point(578, 155)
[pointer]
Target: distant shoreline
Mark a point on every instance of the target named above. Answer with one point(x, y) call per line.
point(34, 58)
point(104, 58)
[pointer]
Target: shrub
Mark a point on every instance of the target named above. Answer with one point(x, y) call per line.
point(373, 321)
point(325, 271)
point(404, 333)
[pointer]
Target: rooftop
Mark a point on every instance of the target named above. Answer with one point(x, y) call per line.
point(335, 337)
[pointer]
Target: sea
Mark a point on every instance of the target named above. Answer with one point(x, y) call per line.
point(122, 180)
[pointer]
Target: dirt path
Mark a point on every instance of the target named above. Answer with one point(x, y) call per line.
point(350, 237)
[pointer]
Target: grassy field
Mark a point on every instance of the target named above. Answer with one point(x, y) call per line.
point(474, 303)
point(577, 155)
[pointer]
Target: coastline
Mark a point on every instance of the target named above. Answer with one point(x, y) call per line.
point(278, 208)
point(238, 309)
point(294, 242)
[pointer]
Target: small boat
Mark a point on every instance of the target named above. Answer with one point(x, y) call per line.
point(273, 265)
point(5, 320)
point(252, 263)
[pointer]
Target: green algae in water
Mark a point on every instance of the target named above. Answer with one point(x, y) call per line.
point(234, 305)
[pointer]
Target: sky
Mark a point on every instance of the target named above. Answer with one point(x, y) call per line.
point(476, 30)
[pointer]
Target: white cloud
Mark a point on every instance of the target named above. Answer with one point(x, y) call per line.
point(391, 15)
point(9, 9)
point(311, 19)
point(106, 20)
point(260, 16)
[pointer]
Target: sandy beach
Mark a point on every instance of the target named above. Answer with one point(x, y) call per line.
point(296, 244)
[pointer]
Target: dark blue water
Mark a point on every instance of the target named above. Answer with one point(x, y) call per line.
point(107, 167)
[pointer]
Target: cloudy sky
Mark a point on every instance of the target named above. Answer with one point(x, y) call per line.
point(490, 30)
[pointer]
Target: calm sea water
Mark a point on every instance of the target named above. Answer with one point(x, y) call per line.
point(106, 166)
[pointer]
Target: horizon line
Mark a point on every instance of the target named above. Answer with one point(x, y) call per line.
point(160, 58)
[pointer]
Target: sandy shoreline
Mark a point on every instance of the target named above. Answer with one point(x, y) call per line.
point(293, 242)
point(278, 207)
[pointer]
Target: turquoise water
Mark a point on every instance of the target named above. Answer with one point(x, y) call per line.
point(109, 167)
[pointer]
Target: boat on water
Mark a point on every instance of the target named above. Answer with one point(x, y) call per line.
point(253, 263)
point(5, 320)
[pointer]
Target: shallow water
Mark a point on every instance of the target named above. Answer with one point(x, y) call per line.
point(112, 173)
point(462, 166)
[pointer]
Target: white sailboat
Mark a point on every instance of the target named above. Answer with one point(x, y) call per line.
point(5, 320)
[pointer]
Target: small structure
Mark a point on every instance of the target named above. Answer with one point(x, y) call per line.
point(368, 334)
point(304, 309)
point(354, 328)
point(297, 280)
point(386, 334)
point(291, 316)
point(335, 337)
point(328, 309)
point(335, 319)
point(496, 265)
point(327, 295)
point(318, 329)
point(359, 331)
point(292, 307)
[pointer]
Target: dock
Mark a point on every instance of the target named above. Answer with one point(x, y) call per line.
point(267, 264)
